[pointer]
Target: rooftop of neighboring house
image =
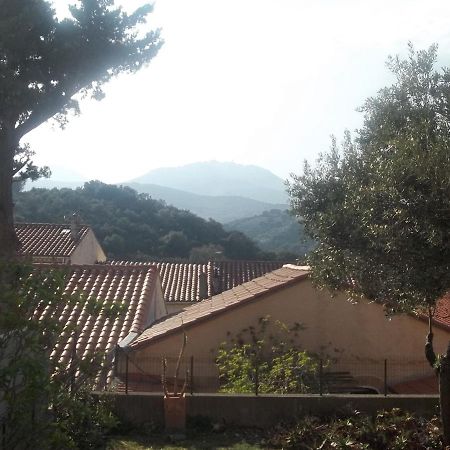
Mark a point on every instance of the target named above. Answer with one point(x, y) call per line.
point(48, 239)
point(122, 298)
point(231, 299)
point(193, 282)
point(441, 315)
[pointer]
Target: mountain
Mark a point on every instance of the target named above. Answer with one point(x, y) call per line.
point(221, 208)
point(274, 231)
point(213, 178)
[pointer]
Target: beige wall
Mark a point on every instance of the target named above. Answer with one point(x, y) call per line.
point(157, 305)
point(175, 307)
point(88, 251)
point(356, 330)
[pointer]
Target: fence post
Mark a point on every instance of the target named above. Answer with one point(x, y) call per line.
point(320, 377)
point(192, 375)
point(126, 373)
point(256, 379)
point(385, 378)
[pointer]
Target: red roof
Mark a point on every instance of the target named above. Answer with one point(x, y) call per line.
point(46, 239)
point(128, 290)
point(442, 313)
point(181, 282)
point(238, 296)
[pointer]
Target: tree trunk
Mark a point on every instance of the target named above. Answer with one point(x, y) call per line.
point(444, 395)
point(9, 243)
point(443, 372)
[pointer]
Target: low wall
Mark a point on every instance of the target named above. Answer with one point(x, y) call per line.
point(264, 410)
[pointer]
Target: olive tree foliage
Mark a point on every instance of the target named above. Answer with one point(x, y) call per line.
point(44, 63)
point(379, 204)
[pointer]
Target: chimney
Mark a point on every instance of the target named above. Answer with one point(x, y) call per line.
point(75, 222)
point(202, 285)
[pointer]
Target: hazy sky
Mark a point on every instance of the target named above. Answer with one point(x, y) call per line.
point(260, 82)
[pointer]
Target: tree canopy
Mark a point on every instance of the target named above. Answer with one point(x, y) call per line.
point(379, 204)
point(135, 226)
point(45, 62)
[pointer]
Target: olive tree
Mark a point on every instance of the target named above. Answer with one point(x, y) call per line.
point(379, 204)
point(44, 63)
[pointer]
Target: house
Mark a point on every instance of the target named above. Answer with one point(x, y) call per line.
point(126, 301)
point(59, 243)
point(185, 284)
point(354, 337)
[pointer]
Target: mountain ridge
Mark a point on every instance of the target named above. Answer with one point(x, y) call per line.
point(214, 178)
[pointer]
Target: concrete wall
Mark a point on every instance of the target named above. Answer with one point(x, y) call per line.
point(266, 410)
point(333, 326)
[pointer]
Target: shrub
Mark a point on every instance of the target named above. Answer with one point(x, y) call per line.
point(268, 356)
point(393, 430)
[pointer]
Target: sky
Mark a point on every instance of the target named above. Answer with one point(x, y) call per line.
point(262, 82)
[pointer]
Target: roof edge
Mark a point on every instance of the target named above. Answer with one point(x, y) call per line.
point(214, 314)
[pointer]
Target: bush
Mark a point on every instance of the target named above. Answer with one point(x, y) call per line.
point(393, 430)
point(268, 356)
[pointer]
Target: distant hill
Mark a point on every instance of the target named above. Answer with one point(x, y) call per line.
point(274, 231)
point(215, 178)
point(134, 226)
point(221, 208)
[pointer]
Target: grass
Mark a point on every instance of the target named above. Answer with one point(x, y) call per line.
point(235, 440)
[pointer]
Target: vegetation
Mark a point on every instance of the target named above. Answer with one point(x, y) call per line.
point(275, 231)
point(134, 226)
point(268, 359)
point(40, 401)
point(44, 63)
point(393, 429)
point(379, 205)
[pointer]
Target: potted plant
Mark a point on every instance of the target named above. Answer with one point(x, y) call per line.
point(175, 401)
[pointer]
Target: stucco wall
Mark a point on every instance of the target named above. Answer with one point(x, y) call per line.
point(175, 307)
point(263, 411)
point(355, 330)
point(88, 251)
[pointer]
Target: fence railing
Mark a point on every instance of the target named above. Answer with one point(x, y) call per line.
point(346, 376)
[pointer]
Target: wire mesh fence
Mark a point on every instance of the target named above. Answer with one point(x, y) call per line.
point(340, 376)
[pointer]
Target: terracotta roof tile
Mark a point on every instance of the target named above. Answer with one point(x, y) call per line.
point(123, 295)
point(181, 281)
point(223, 302)
point(44, 239)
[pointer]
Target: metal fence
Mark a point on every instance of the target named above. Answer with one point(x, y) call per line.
point(346, 376)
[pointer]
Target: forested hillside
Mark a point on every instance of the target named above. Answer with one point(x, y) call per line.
point(274, 231)
point(134, 226)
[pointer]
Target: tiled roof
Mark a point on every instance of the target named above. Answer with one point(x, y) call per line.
point(238, 296)
point(228, 274)
point(181, 282)
point(45, 239)
point(441, 316)
point(442, 313)
point(124, 295)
